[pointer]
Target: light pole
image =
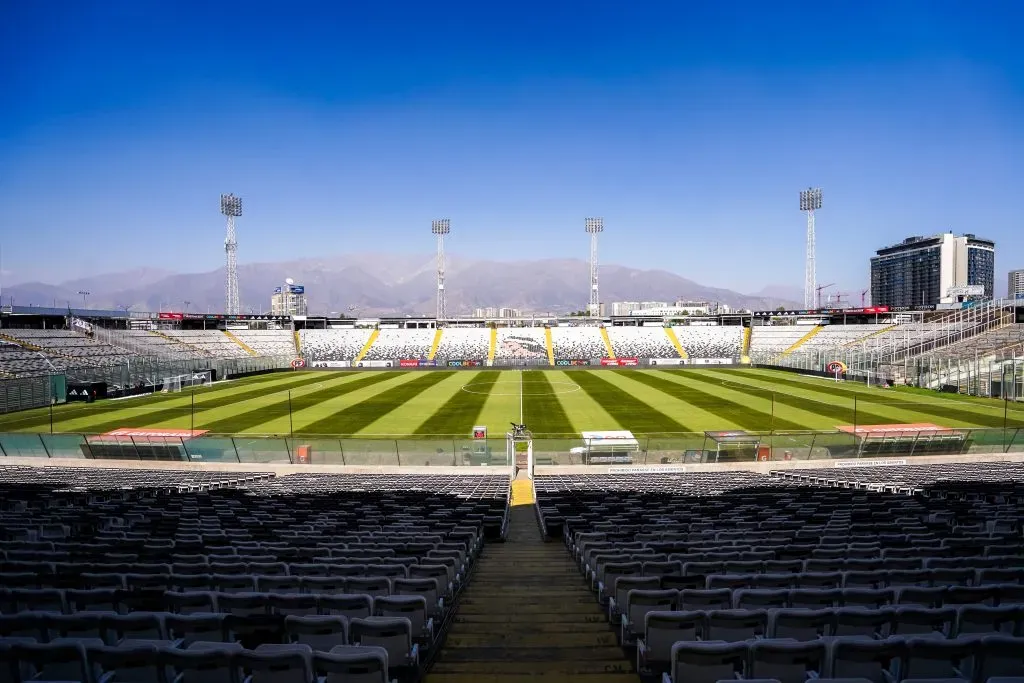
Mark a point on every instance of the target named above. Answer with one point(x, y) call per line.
point(85, 297)
point(810, 200)
point(187, 304)
point(231, 206)
point(440, 227)
point(593, 227)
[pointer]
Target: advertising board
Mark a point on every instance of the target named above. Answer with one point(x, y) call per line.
point(375, 364)
point(331, 364)
point(621, 362)
point(464, 363)
point(571, 362)
point(666, 361)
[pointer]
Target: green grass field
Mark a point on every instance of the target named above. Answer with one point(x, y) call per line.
point(424, 404)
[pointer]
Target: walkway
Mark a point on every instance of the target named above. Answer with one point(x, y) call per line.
point(527, 613)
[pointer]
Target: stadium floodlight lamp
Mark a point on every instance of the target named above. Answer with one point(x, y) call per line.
point(230, 205)
point(441, 226)
point(810, 199)
point(594, 225)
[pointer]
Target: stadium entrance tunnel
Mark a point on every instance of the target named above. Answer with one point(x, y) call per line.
point(514, 387)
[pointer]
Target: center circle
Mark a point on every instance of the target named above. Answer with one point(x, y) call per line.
point(514, 387)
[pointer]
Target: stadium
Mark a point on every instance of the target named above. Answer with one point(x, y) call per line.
point(297, 445)
point(772, 494)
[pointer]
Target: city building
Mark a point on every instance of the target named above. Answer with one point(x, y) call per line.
point(926, 271)
point(1015, 285)
point(289, 300)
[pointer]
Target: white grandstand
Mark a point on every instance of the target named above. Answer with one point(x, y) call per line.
point(268, 342)
point(578, 342)
point(73, 348)
point(768, 340)
point(520, 343)
point(394, 344)
point(333, 345)
point(148, 343)
point(841, 335)
point(214, 343)
point(710, 341)
point(464, 343)
point(641, 342)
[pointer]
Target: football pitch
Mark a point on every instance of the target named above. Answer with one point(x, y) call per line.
point(448, 403)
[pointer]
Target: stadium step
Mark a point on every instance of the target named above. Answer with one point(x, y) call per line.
point(675, 342)
point(493, 347)
point(366, 347)
point(745, 351)
point(802, 340)
point(298, 343)
point(526, 615)
point(438, 333)
point(608, 349)
point(245, 347)
point(180, 343)
point(549, 345)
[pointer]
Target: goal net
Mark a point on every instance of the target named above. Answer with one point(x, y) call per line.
point(192, 379)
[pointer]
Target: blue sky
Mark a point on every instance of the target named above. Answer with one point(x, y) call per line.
point(690, 127)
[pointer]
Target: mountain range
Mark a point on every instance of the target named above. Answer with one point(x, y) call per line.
point(390, 284)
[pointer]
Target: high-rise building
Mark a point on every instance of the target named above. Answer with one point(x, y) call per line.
point(923, 271)
point(1015, 285)
point(289, 300)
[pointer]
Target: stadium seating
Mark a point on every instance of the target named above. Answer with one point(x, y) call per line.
point(721, 575)
point(770, 340)
point(712, 341)
point(17, 360)
point(832, 336)
point(395, 344)
point(578, 342)
point(641, 342)
point(74, 349)
point(213, 343)
point(464, 343)
point(521, 343)
point(151, 343)
point(333, 345)
point(268, 342)
point(142, 575)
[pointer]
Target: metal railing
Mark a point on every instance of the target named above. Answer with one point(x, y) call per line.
point(668, 449)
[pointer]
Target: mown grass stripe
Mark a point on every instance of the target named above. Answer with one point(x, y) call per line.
point(630, 412)
point(843, 415)
point(926, 408)
point(457, 415)
point(249, 417)
point(33, 420)
point(737, 413)
point(352, 419)
point(543, 411)
point(204, 401)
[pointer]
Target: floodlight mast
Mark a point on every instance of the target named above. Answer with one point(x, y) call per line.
point(594, 227)
point(810, 199)
point(440, 227)
point(231, 206)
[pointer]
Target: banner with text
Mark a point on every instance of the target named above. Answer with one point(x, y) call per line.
point(464, 363)
point(621, 362)
point(569, 362)
point(331, 364)
point(666, 361)
point(376, 364)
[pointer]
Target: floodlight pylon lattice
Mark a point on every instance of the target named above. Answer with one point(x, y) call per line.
point(810, 200)
point(594, 227)
point(440, 227)
point(231, 206)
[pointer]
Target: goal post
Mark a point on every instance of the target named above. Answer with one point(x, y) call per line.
point(190, 379)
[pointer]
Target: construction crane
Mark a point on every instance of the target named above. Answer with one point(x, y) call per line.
point(819, 289)
point(863, 298)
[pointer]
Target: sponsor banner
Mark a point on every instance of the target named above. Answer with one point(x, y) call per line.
point(858, 462)
point(375, 364)
point(599, 459)
point(417, 363)
point(572, 362)
point(836, 367)
point(621, 362)
point(298, 363)
point(170, 316)
point(667, 361)
point(298, 289)
point(331, 364)
point(669, 469)
point(705, 361)
point(80, 324)
point(464, 363)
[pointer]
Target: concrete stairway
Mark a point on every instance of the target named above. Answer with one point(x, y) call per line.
point(527, 616)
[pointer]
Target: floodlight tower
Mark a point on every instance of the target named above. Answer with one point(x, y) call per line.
point(231, 206)
point(440, 227)
point(594, 227)
point(810, 199)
